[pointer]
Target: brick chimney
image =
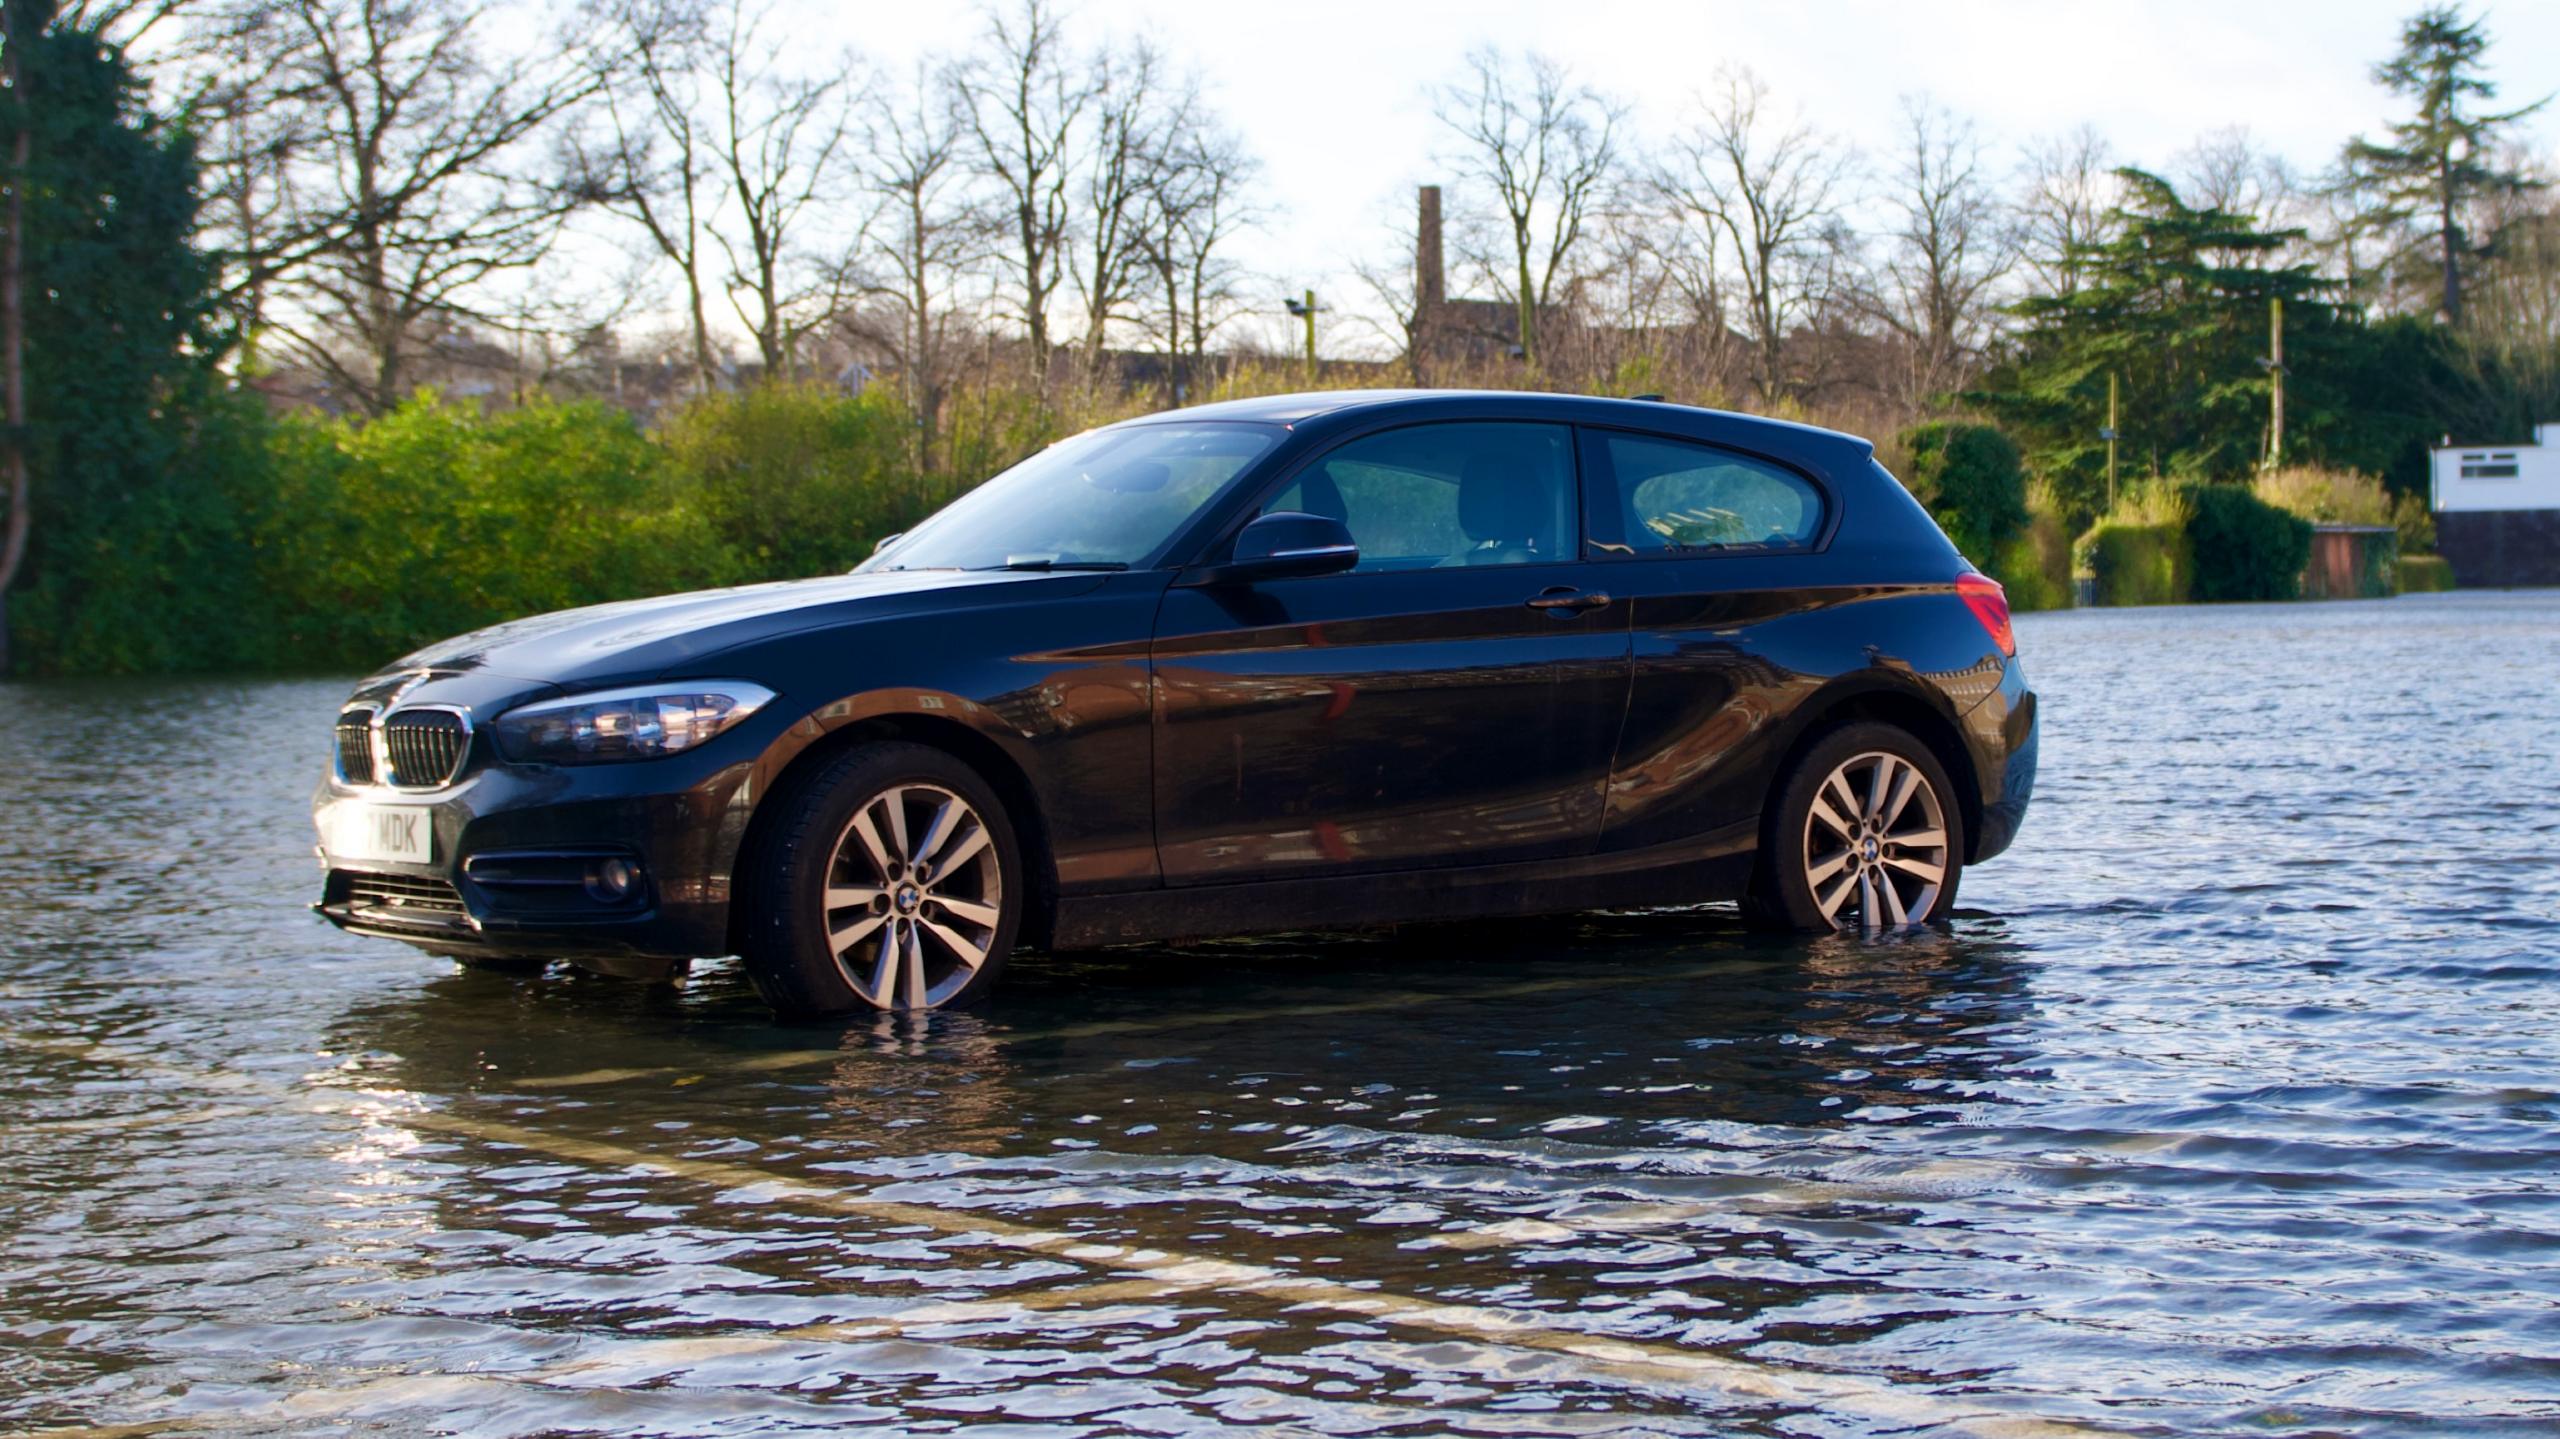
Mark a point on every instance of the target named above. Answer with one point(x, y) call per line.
point(1430, 277)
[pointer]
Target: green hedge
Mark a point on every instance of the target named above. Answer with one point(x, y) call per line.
point(798, 479)
point(2244, 548)
point(435, 519)
point(319, 544)
point(2035, 568)
point(2138, 564)
point(2422, 574)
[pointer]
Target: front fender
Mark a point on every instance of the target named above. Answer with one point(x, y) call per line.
point(1051, 695)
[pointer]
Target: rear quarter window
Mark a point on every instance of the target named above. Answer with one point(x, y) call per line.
point(1663, 496)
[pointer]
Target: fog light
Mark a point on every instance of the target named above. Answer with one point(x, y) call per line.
point(613, 880)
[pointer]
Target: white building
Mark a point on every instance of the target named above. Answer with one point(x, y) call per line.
point(2500, 477)
point(2498, 510)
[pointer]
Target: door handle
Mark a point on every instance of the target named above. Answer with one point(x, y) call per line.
point(1564, 599)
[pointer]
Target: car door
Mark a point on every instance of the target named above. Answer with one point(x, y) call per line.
point(1713, 551)
point(1453, 700)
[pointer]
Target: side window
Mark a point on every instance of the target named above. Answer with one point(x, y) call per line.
point(1434, 496)
point(1671, 497)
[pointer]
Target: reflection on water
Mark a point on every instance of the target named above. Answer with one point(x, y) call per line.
point(2225, 1106)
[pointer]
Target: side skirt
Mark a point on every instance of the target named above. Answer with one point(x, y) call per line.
point(1717, 867)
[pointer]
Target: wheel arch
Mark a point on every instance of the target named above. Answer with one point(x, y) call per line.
point(849, 724)
point(1907, 707)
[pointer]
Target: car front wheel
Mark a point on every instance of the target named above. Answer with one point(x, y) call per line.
point(1865, 835)
point(891, 881)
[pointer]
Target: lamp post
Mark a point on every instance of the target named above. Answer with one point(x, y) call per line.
point(2274, 363)
point(2109, 435)
point(1305, 309)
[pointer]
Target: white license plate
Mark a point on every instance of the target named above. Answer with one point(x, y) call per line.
point(382, 831)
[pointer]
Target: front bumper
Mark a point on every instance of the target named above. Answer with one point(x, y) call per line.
point(515, 847)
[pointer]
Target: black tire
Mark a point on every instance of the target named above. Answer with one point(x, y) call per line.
point(1796, 846)
point(812, 850)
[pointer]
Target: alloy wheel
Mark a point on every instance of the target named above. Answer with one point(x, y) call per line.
point(914, 893)
point(1875, 844)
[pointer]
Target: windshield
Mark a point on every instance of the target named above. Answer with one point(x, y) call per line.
point(1105, 499)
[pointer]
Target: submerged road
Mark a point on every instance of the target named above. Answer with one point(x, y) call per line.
point(2226, 1105)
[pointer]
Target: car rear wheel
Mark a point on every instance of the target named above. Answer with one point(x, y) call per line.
point(891, 881)
point(1865, 834)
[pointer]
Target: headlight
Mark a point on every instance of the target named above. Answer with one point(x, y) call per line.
point(642, 723)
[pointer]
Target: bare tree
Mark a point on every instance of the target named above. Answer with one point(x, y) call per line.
point(1949, 247)
point(404, 187)
point(1023, 109)
point(1547, 149)
point(2067, 190)
point(1690, 257)
point(2512, 307)
point(779, 146)
point(123, 22)
point(1772, 191)
point(216, 65)
point(1197, 200)
point(1403, 284)
point(652, 161)
point(2356, 229)
point(2226, 170)
point(1676, 265)
point(1137, 115)
point(250, 211)
point(930, 237)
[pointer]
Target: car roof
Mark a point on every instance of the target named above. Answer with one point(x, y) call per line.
point(1657, 415)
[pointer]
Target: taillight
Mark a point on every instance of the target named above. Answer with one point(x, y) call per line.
point(1990, 604)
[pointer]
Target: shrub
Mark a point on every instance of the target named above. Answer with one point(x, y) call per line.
point(987, 430)
point(435, 519)
point(2243, 547)
point(2421, 574)
point(1970, 479)
point(2153, 502)
point(2324, 496)
point(2137, 564)
point(2035, 567)
point(2416, 523)
point(797, 480)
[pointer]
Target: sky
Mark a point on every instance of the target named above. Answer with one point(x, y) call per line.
point(1335, 95)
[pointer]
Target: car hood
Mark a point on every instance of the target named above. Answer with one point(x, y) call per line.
point(635, 640)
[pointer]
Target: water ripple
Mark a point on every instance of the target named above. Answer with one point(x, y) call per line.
point(2226, 1105)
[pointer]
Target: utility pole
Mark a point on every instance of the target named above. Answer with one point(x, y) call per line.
point(2109, 435)
point(2275, 381)
point(1305, 309)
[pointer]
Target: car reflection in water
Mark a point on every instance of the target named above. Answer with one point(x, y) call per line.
point(1438, 1110)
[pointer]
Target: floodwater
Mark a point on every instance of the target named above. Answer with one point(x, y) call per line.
point(2226, 1105)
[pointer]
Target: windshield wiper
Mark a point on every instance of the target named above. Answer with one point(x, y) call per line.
point(1061, 565)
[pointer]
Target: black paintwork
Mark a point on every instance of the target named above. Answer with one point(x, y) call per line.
point(1188, 753)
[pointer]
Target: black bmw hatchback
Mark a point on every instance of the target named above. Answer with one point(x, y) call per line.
point(1299, 662)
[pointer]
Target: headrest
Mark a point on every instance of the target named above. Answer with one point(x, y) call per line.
point(1500, 498)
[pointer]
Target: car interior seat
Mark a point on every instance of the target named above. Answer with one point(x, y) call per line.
point(1505, 511)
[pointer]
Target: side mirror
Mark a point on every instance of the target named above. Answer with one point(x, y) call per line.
point(885, 541)
point(1284, 544)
